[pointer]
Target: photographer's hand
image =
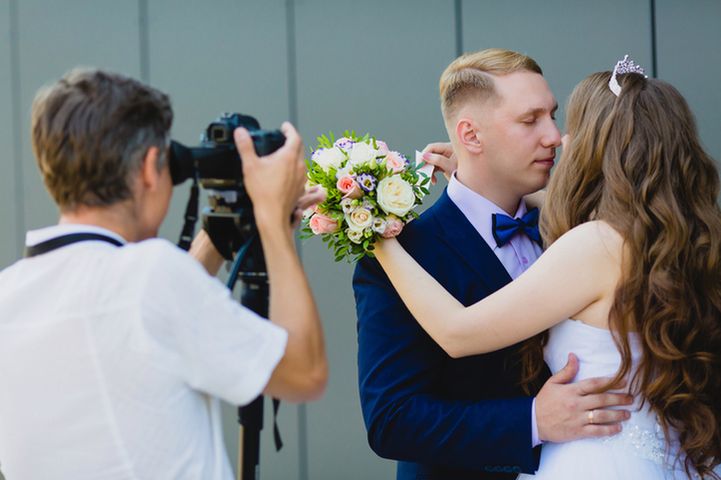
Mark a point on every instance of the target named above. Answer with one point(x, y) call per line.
point(275, 183)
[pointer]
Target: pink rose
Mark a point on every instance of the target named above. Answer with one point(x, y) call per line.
point(395, 162)
point(393, 227)
point(382, 147)
point(320, 223)
point(349, 187)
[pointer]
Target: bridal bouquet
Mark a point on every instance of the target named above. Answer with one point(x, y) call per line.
point(371, 193)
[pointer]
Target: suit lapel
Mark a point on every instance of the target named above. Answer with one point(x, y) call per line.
point(454, 229)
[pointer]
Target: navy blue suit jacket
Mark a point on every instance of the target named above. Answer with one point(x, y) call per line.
point(442, 418)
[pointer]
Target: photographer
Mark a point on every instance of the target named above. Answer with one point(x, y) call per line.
point(115, 346)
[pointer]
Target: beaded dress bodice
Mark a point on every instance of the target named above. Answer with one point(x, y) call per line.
point(599, 357)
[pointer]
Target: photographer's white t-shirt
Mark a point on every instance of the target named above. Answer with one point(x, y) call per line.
point(112, 361)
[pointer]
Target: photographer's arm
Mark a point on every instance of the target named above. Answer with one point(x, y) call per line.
point(203, 250)
point(275, 183)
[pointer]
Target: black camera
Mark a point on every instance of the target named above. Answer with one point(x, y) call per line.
point(216, 165)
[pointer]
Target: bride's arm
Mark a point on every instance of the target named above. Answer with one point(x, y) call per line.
point(577, 270)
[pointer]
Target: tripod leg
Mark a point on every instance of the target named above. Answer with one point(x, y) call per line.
point(239, 467)
point(251, 420)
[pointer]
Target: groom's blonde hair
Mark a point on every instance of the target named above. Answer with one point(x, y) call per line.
point(469, 77)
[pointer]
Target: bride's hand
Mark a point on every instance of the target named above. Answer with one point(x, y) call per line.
point(312, 197)
point(535, 200)
point(441, 156)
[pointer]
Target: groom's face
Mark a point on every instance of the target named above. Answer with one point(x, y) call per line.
point(519, 132)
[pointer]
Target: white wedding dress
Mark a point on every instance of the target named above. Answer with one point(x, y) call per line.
point(640, 451)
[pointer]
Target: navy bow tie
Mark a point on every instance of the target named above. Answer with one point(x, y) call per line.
point(505, 227)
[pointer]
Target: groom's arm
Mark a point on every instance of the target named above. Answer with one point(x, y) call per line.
point(399, 366)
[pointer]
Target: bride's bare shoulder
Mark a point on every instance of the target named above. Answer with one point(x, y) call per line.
point(596, 237)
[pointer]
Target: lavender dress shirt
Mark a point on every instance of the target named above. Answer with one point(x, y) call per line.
point(516, 255)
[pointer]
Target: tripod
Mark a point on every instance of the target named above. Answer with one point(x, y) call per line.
point(249, 267)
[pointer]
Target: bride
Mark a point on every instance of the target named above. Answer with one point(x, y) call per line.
point(630, 282)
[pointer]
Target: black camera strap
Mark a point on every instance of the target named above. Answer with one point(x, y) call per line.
point(191, 216)
point(69, 239)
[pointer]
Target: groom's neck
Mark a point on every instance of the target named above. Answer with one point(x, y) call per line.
point(491, 188)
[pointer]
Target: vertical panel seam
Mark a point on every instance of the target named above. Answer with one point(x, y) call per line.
point(458, 17)
point(143, 40)
point(292, 63)
point(292, 82)
point(17, 126)
point(302, 442)
point(654, 50)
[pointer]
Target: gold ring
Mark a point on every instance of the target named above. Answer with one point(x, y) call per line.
point(590, 416)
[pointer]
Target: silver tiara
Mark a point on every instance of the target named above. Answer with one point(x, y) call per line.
point(623, 66)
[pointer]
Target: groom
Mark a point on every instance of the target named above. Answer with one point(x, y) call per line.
point(467, 418)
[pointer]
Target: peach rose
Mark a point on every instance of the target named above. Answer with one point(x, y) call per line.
point(349, 187)
point(395, 162)
point(320, 223)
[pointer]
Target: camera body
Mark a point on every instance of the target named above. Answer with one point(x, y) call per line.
point(217, 167)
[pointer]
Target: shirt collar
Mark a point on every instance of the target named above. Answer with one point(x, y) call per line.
point(33, 237)
point(478, 209)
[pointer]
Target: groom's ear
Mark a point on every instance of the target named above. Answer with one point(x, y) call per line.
point(469, 136)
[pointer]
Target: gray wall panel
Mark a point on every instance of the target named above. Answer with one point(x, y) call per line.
point(689, 36)
point(225, 57)
point(371, 68)
point(568, 39)
point(8, 189)
point(54, 37)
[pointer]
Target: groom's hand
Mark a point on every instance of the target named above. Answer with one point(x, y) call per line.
point(568, 411)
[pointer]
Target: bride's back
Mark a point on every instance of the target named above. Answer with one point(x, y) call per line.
point(635, 163)
point(641, 450)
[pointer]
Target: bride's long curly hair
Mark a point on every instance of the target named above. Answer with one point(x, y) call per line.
point(635, 162)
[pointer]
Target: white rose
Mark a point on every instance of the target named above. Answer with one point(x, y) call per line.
point(362, 153)
point(379, 225)
point(344, 171)
point(347, 205)
point(328, 157)
point(395, 195)
point(359, 219)
point(354, 236)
